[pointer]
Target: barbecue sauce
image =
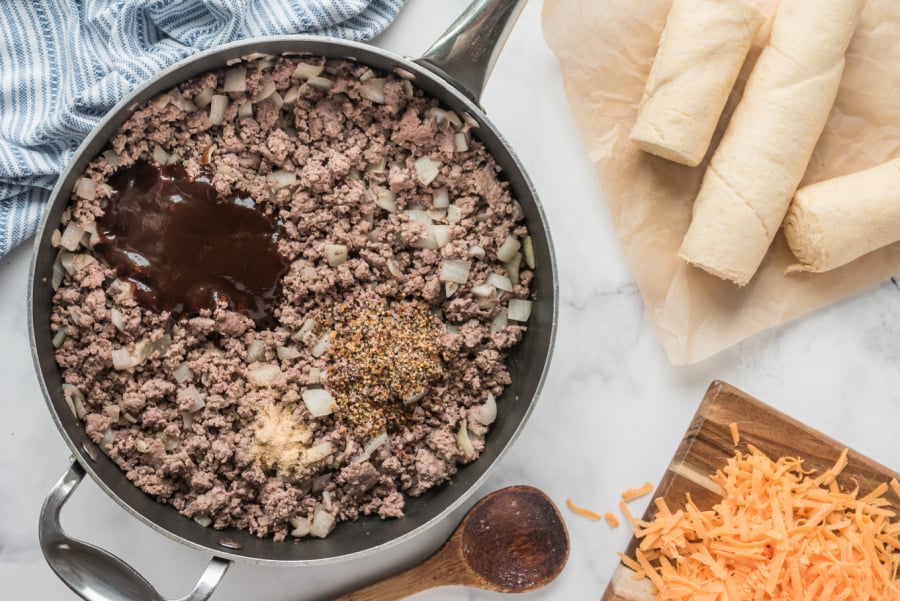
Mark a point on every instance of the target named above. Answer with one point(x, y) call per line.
point(186, 248)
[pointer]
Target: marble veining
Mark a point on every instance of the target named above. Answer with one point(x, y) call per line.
point(611, 414)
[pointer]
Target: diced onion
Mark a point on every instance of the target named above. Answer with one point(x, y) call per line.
point(384, 198)
point(172, 444)
point(58, 338)
point(499, 322)
point(373, 89)
point(315, 376)
point(487, 413)
point(322, 523)
point(308, 326)
point(484, 291)
point(321, 346)
point(235, 79)
point(454, 214)
point(320, 83)
point(161, 101)
point(108, 437)
point(438, 114)
point(476, 251)
point(203, 520)
point(267, 89)
point(367, 75)
point(336, 254)
point(427, 170)
point(407, 88)
point(326, 500)
point(307, 70)
point(80, 261)
point(318, 453)
point(513, 267)
point(203, 97)
point(441, 235)
point(122, 359)
point(245, 110)
point(463, 441)
point(518, 211)
point(286, 353)
point(71, 236)
point(319, 401)
point(86, 188)
point(528, 251)
point(460, 142)
point(91, 236)
point(264, 375)
point(519, 310)
point(183, 374)
point(281, 179)
point(141, 446)
point(193, 395)
point(394, 268)
point(59, 273)
point(454, 270)
point(160, 155)
point(291, 96)
point(301, 527)
point(500, 282)
point(111, 157)
point(217, 107)
point(182, 102)
point(377, 167)
point(440, 199)
point(117, 319)
point(74, 399)
point(450, 288)
point(419, 215)
point(375, 442)
point(508, 249)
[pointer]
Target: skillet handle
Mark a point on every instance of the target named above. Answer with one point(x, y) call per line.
point(466, 53)
point(94, 574)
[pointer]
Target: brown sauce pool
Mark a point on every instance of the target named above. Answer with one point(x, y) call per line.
point(185, 248)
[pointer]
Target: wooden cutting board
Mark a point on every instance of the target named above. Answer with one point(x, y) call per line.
point(707, 445)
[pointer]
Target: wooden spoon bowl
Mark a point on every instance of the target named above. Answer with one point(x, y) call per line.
point(513, 540)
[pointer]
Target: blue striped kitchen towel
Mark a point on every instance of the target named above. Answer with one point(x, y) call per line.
point(64, 63)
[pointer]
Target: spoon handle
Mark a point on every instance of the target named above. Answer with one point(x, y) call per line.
point(431, 573)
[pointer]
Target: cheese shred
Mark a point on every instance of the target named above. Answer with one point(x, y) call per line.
point(633, 493)
point(585, 513)
point(777, 534)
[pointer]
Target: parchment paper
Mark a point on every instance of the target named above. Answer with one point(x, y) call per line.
point(605, 49)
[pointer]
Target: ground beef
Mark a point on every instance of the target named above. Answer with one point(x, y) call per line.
point(213, 414)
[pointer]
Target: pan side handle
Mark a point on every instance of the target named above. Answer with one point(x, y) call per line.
point(466, 53)
point(94, 574)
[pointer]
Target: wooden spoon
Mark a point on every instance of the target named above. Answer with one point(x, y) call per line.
point(513, 540)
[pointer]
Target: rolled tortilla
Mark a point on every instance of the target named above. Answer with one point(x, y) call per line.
point(838, 220)
point(701, 51)
point(763, 155)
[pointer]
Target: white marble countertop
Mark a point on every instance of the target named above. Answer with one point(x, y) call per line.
point(837, 370)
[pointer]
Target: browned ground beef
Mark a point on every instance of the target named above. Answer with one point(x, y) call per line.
point(212, 418)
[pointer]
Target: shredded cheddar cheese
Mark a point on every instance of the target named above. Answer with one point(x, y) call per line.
point(585, 513)
point(633, 493)
point(611, 519)
point(778, 534)
point(735, 433)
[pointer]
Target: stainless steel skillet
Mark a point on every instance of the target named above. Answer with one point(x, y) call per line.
point(454, 71)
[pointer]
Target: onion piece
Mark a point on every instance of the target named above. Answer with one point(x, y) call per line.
point(438, 114)
point(394, 268)
point(484, 291)
point(291, 96)
point(74, 399)
point(192, 395)
point(172, 444)
point(384, 198)
point(508, 249)
point(183, 103)
point(245, 110)
point(427, 170)
point(108, 437)
point(377, 167)
point(286, 353)
point(315, 376)
point(86, 188)
point(203, 520)
point(267, 89)
point(320, 83)
point(117, 319)
point(450, 288)
point(161, 101)
point(528, 251)
point(408, 88)
point(301, 527)
point(322, 345)
point(141, 446)
point(440, 198)
point(263, 375)
point(307, 70)
point(322, 523)
point(367, 75)
point(519, 310)
point(217, 107)
point(71, 236)
point(235, 79)
point(80, 261)
point(518, 211)
point(91, 236)
point(256, 351)
point(513, 267)
point(454, 270)
point(373, 89)
point(375, 442)
point(59, 273)
point(500, 282)
point(281, 179)
point(464, 442)
point(203, 97)
point(58, 338)
point(487, 413)
point(441, 235)
point(336, 254)
point(308, 326)
point(460, 142)
point(183, 374)
point(160, 155)
point(476, 251)
point(318, 401)
point(454, 214)
point(500, 321)
point(454, 120)
point(122, 359)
